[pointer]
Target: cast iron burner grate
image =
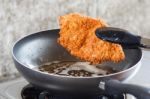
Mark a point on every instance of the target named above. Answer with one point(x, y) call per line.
point(30, 92)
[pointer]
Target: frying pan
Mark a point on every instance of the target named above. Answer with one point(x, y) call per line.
point(36, 49)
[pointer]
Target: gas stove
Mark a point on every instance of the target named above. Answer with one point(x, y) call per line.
point(30, 92)
point(20, 89)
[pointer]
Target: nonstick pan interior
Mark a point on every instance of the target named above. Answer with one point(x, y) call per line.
point(39, 48)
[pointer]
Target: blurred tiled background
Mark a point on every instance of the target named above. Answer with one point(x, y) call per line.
point(21, 17)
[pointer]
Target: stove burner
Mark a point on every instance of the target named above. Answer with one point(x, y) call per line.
point(30, 92)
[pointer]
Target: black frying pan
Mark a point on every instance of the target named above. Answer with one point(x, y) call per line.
point(36, 49)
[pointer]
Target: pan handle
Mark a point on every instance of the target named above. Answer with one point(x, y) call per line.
point(116, 87)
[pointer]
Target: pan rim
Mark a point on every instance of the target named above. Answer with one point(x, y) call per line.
point(62, 76)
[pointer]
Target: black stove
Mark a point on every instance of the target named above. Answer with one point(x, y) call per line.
point(31, 92)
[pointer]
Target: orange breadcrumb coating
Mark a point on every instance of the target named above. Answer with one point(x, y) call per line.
point(77, 35)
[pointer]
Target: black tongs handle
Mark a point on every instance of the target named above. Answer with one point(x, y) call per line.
point(120, 36)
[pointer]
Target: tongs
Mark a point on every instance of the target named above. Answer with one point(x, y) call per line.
point(122, 37)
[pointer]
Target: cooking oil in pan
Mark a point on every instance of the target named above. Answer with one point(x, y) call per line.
point(77, 69)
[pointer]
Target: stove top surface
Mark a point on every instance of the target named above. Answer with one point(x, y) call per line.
point(12, 89)
point(31, 92)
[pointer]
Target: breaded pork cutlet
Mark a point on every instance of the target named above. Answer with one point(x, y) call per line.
point(77, 35)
